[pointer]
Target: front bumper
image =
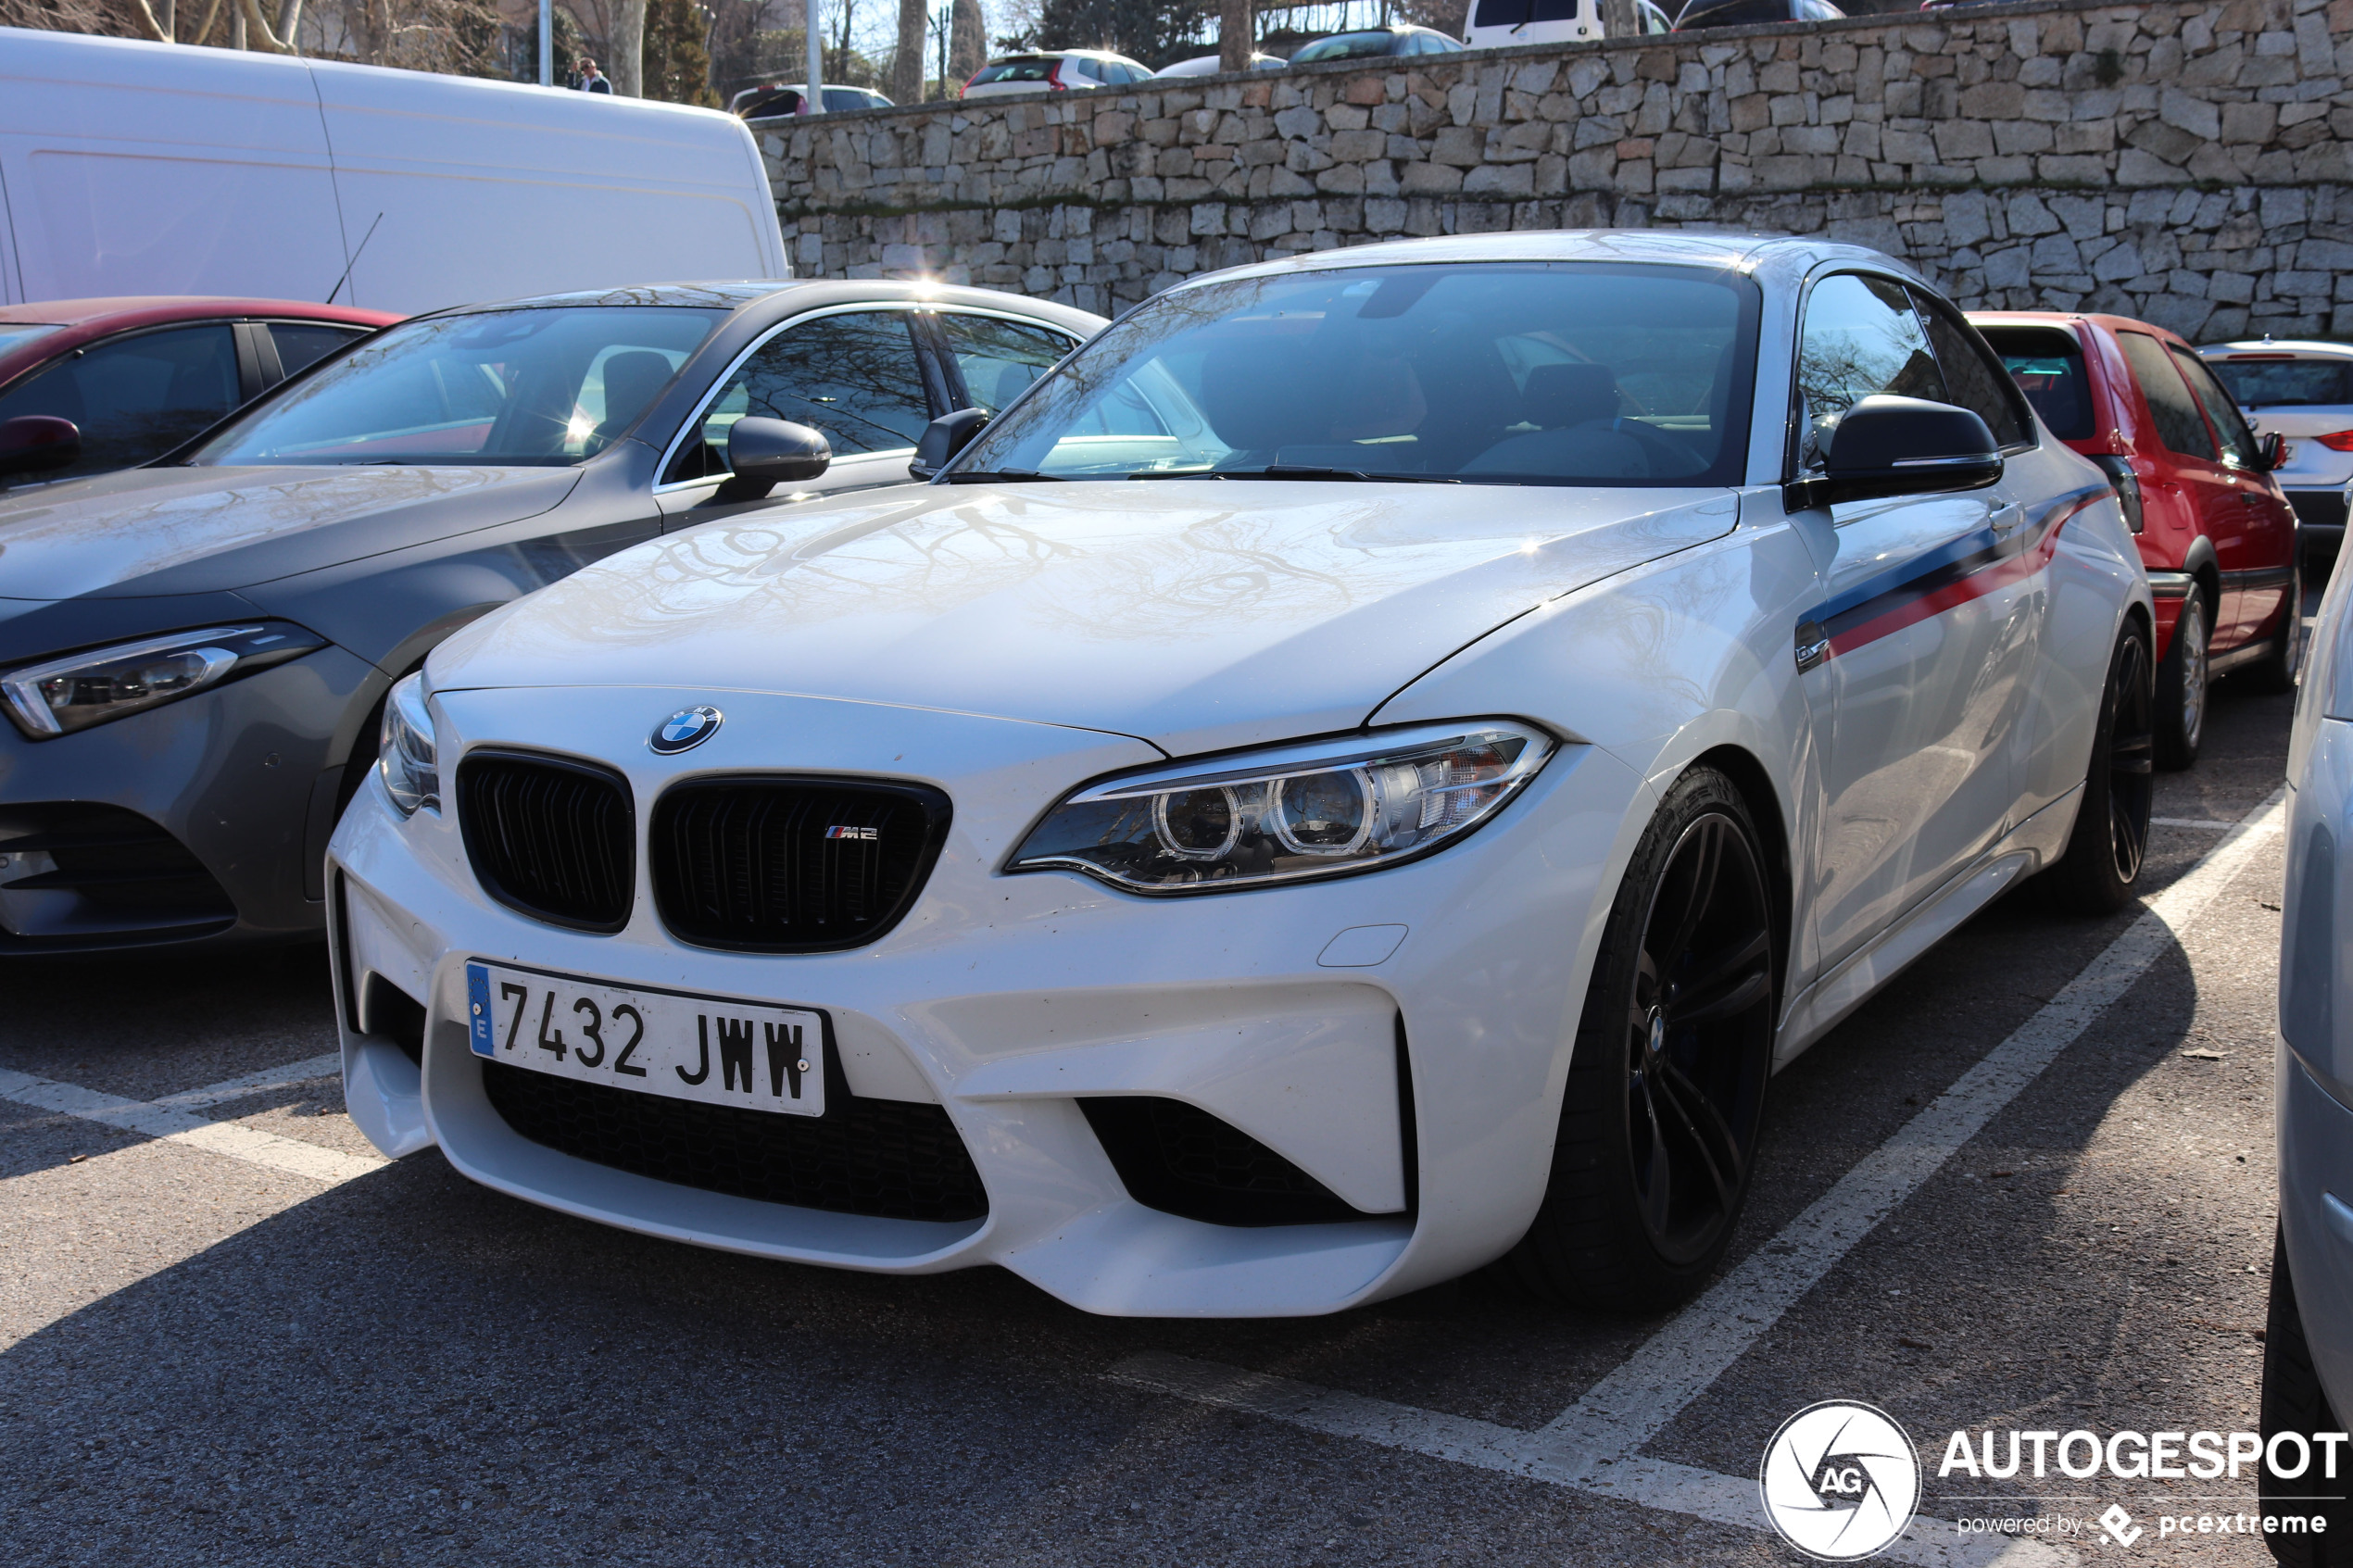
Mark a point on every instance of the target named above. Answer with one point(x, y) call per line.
point(224, 800)
point(1008, 999)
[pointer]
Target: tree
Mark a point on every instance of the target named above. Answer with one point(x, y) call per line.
point(1158, 32)
point(677, 66)
point(968, 44)
point(907, 64)
point(627, 68)
point(570, 44)
point(1234, 29)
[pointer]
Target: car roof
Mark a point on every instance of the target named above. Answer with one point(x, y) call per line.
point(147, 309)
point(1779, 255)
point(2067, 318)
point(741, 293)
point(2303, 347)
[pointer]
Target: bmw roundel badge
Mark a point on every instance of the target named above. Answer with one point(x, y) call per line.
point(684, 729)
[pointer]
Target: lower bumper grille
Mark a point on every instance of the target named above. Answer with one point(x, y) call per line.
point(72, 870)
point(1182, 1160)
point(887, 1158)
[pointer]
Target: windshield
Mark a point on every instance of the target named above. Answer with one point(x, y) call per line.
point(2284, 383)
point(1518, 373)
point(1346, 46)
point(540, 388)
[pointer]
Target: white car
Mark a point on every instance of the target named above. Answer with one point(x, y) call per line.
point(1505, 24)
point(1055, 71)
point(1365, 768)
point(2304, 391)
point(1210, 65)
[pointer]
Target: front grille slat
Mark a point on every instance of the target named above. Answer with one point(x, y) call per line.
point(746, 863)
point(549, 837)
point(888, 1159)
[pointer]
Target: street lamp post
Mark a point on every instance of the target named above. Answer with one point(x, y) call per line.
point(813, 100)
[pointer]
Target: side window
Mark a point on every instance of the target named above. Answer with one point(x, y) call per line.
point(2179, 425)
point(852, 377)
point(302, 345)
point(2238, 442)
point(1974, 381)
point(135, 398)
point(1861, 337)
point(1654, 19)
point(999, 358)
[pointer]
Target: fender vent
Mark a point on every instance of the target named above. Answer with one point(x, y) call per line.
point(1182, 1160)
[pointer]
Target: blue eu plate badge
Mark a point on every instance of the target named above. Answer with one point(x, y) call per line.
point(478, 1018)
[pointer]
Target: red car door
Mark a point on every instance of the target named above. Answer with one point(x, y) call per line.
point(2197, 473)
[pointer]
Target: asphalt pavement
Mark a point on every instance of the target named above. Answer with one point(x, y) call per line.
point(229, 1333)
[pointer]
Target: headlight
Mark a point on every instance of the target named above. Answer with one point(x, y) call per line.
point(82, 689)
point(405, 756)
point(1324, 810)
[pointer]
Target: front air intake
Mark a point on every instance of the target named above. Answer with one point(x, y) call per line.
point(790, 865)
point(549, 837)
point(1182, 1160)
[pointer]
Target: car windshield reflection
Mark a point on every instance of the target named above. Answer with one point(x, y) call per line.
point(537, 387)
point(1534, 373)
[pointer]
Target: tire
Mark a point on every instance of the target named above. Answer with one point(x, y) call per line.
point(2182, 683)
point(2279, 670)
point(2111, 834)
point(2295, 1401)
point(1667, 1076)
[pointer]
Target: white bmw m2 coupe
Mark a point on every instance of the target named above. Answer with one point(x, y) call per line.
point(1367, 768)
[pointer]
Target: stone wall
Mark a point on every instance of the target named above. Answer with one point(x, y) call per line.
point(2183, 161)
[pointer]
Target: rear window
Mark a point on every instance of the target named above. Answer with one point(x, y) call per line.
point(1014, 70)
point(1518, 13)
point(1346, 46)
point(1734, 13)
point(2272, 384)
point(2047, 364)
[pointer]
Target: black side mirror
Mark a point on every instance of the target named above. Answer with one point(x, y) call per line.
point(1889, 446)
point(944, 438)
point(766, 453)
point(2271, 453)
point(37, 443)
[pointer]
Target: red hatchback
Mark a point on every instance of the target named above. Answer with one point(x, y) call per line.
point(2216, 532)
point(137, 377)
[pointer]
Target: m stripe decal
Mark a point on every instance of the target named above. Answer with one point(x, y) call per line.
point(1952, 574)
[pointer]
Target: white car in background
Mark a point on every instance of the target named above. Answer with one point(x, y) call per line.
point(1055, 71)
point(1210, 65)
point(2305, 392)
point(1504, 24)
point(1365, 768)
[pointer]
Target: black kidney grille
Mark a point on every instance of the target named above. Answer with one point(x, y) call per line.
point(790, 865)
point(549, 837)
point(882, 1158)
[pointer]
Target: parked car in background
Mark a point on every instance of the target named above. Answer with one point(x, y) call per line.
point(1375, 42)
point(137, 377)
point(2303, 391)
point(193, 654)
point(1060, 71)
point(784, 101)
point(1361, 773)
point(1210, 65)
point(2214, 529)
point(2308, 1338)
point(1698, 14)
point(134, 168)
point(1500, 24)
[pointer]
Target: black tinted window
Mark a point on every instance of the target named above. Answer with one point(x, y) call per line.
point(2238, 442)
point(2047, 364)
point(2269, 384)
point(135, 398)
point(1735, 13)
point(303, 345)
point(1972, 379)
point(1014, 70)
point(1861, 337)
point(853, 378)
point(999, 359)
point(2179, 425)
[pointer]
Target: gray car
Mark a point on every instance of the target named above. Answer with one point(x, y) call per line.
point(193, 654)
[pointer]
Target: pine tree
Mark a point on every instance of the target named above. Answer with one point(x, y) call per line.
point(677, 65)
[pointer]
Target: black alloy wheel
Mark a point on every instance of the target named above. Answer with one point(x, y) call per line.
point(1666, 1081)
point(2111, 834)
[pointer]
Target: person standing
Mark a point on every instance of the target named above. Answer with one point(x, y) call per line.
point(591, 79)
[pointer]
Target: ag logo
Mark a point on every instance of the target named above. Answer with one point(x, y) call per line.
point(684, 729)
point(1839, 1481)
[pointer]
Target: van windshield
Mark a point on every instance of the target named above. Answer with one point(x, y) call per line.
point(539, 388)
point(1512, 373)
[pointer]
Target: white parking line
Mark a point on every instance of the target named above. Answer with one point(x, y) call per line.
point(2216, 824)
point(287, 1077)
point(1592, 1446)
point(166, 1120)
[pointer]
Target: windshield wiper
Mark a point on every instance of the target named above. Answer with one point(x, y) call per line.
point(1004, 476)
point(1296, 470)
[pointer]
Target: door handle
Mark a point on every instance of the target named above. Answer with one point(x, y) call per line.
point(2006, 518)
point(1813, 645)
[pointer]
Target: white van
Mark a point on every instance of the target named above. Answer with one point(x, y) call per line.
point(130, 168)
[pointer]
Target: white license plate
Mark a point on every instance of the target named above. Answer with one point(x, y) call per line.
point(713, 1050)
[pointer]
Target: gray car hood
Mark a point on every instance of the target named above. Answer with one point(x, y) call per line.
point(1193, 614)
point(152, 531)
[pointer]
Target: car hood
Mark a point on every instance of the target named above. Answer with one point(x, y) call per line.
point(153, 531)
point(1195, 615)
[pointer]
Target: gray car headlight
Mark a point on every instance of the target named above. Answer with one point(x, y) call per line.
point(405, 756)
point(82, 689)
point(1322, 810)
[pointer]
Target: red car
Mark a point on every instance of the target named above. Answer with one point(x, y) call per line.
point(137, 377)
point(2216, 532)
